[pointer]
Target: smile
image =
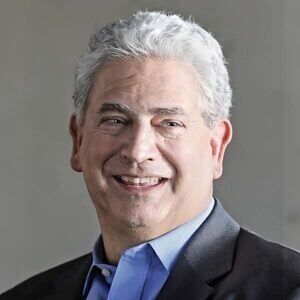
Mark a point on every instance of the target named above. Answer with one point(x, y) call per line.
point(144, 181)
point(139, 184)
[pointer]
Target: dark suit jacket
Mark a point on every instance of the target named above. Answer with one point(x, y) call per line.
point(221, 261)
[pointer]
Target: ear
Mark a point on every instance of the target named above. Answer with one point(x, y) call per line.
point(76, 134)
point(221, 137)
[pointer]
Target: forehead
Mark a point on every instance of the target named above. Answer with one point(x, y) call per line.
point(146, 82)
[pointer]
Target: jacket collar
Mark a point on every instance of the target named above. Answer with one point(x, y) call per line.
point(208, 256)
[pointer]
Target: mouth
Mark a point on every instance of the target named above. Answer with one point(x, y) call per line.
point(139, 184)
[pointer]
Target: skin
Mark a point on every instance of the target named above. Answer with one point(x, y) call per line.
point(148, 139)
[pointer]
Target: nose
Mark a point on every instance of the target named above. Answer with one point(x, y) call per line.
point(140, 145)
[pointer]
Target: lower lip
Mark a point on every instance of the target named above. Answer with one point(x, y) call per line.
point(140, 189)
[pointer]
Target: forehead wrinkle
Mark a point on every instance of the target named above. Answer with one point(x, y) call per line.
point(112, 87)
point(119, 83)
point(118, 91)
point(140, 85)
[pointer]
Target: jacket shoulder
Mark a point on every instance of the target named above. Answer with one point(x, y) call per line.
point(268, 250)
point(264, 261)
point(42, 283)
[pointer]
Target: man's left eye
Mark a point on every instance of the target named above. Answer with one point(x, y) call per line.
point(171, 128)
point(171, 123)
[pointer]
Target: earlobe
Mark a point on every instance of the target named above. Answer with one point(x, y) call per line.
point(221, 137)
point(76, 135)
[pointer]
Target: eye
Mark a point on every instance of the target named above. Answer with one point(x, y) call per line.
point(171, 129)
point(112, 125)
point(171, 124)
point(113, 121)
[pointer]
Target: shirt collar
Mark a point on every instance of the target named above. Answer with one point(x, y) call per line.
point(177, 237)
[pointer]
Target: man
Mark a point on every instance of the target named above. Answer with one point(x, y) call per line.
point(150, 130)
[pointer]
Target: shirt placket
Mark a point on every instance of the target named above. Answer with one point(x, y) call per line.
point(130, 277)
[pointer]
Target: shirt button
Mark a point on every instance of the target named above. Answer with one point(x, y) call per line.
point(105, 272)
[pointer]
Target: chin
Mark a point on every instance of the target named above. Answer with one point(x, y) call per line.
point(135, 224)
point(140, 221)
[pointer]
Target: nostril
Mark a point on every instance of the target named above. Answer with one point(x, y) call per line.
point(137, 158)
point(139, 152)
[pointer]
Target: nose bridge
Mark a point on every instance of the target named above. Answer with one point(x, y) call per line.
point(141, 145)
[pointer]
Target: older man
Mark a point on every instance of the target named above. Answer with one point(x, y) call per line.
point(150, 130)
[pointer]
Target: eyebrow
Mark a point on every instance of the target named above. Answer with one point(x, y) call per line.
point(116, 107)
point(168, 111)
point(125, 109)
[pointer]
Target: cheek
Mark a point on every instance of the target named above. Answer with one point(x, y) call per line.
point(94, 153)
point(192, 160)
point(91, 160)
point(95, 150)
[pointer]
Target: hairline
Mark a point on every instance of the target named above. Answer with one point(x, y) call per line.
point(133, 38)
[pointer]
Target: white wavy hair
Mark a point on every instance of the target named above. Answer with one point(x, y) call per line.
point(157, 34)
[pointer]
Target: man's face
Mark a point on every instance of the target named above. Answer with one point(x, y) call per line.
point(147, 157)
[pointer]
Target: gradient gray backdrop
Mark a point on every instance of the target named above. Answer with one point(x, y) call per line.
point(46, 216)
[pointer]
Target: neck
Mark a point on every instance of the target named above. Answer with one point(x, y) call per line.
point(117, 240)
point(119, 237)
point(115, 243)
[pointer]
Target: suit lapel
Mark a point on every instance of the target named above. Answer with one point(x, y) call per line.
point(208, 256)
point(69, 284)
point(184, 283)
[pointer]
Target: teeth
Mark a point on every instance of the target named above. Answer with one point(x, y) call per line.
point(140, 180)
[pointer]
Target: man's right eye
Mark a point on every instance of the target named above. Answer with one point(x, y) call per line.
point(112, 125)
point(113, 121)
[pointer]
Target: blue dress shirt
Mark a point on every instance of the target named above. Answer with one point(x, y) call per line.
point(142, 270)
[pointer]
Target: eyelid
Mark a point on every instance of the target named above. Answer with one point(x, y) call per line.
point(110, 118)
point(179, 123)
point(171, 131)
point(113, 118)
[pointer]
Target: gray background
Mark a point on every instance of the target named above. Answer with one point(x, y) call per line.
point(46, 216)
